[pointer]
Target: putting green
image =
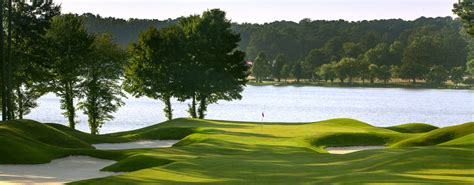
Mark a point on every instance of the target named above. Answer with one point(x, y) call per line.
point(265, 153)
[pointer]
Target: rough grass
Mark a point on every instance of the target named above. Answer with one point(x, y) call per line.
point(438, 136)
point(230, 152)
point(413, 128)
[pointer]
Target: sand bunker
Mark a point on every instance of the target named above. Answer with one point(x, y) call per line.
point(350, 149)
point(137, 144)
point(72, 168)
point(59, 171)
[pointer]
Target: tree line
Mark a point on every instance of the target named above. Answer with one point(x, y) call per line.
point(196, 58)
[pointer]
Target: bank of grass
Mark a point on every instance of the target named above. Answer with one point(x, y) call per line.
point(230, 152)
point(438, 136)
point(413, 128)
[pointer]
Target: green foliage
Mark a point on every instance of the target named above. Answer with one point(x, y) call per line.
point(384, 73)
point(69, 49)
point(328, 72)
point(261, 67)
point(100, 85)
point(465, 10)
point(28, 72)
point(285, 71)
point(415, 58)
point(437, 75)
point(277, 67)
point(345, 69)
point(216, 69)
point(374, 71)
point(470, 67)
point(156, 68)
point(456, 74)
point(297, 71)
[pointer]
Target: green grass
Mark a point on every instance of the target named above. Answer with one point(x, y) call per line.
point(413, 128)
point(438, 136)
point(228, 152)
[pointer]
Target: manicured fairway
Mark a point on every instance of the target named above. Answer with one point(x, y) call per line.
point(229, 152)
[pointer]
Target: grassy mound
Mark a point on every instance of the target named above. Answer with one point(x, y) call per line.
point(228, 152)
point(464, 140)
point(413, 128)
point(91, 139)
point(36, 131)
point(438, 136)
point(137, 162)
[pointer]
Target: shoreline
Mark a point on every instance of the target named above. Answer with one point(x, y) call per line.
point(357, 84)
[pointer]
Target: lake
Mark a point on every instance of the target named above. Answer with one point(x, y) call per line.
point(377, 106)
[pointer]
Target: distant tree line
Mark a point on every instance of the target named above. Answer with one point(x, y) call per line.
point(196, 59)
point(299, 50)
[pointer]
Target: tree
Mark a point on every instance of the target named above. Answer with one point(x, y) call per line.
point(280, 61)
point(328, 72)
point(456, 75)
point(156, 65)
point(261, 67)
point(352, 49)
point(470, 67)
point(362, 69)
point(69, 48)
point(378, 55)
point(347, 68)
point(373, 72)
point(384, 73)
point(437, 75)
point(213, 45)
point(4, 66)
point(285, 72)
point(394, 71)
point(28, 71)
point(297, 71)
point(465, 10)
point(314, 59)
point(415, 58)
point(100, 86)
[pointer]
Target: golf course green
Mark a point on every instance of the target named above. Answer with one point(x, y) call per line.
point(227, 152)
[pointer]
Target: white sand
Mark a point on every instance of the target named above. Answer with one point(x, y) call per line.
point(72, 168)
point(137, 144)
point(59, 171)
point(350, 149)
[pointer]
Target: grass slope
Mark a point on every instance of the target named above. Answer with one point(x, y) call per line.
point(228, 152)
point(413, 128)
point(438, 136)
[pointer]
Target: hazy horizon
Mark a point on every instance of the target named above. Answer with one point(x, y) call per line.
point(247, 11)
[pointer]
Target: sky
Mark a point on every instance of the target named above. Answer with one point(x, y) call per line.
point(261, 11)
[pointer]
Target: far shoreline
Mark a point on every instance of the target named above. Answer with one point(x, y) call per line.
point(358, 85)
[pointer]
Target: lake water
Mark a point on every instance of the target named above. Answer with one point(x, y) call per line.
point(377, 106)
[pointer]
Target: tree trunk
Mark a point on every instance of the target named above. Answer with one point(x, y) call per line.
point(279, 79)
point(69, 101)
point(9, 102)
point(93, 125)
point(192, 107)
point(414, 80)
point(168, 110)
point(202, 107)
point(4, 66)
point(20, 102)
